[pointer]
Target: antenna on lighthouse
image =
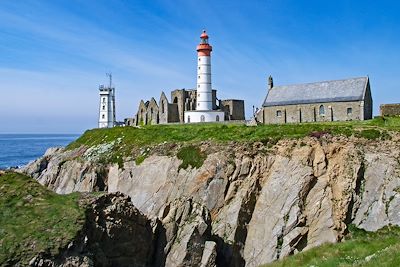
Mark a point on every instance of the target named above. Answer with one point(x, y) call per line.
point(109, 75)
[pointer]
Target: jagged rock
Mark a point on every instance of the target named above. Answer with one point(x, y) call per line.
point(264, 203)
point(209, 254)
point(188, 227)
point(115, 233)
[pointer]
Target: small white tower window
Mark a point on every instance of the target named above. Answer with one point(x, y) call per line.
point(103, 107)
point(104, 99)
point(102, 116)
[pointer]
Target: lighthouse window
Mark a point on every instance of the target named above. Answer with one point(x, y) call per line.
point(199, 76)
point(102, 116)
point(198, 86)
point(104, 99)
point(104, 107)
point(199, 59)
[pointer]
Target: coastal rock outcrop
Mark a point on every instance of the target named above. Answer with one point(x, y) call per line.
point(248, 204)
point(115, 233)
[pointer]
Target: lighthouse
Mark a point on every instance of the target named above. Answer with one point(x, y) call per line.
point(107, 105)
point(204, 90)
point(204, 108)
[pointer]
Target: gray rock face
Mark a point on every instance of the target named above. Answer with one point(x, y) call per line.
point(248, 204)
point(115, 233)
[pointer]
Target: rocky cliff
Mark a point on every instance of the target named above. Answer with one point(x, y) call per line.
point(248, 203)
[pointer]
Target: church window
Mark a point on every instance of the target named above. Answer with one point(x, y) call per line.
point(202, 118)
point(217, 118)
point(349, 111)
point(321, 110)
point(279, 113)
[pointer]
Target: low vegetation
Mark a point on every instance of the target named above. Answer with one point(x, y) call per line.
point(191, 156)
point(128, 139)
point(361, 248)
point(34, 220)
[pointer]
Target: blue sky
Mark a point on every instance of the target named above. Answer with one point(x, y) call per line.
point(54, 54)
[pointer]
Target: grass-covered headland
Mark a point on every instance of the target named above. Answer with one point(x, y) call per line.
point(370, 249)
point(34, 219)
point(124, 140)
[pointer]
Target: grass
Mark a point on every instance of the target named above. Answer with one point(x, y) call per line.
point(191, 156)
point(380, 248)
point(131, 138)
point(34, 219)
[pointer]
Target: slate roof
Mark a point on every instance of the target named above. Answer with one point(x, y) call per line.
point(352, 89)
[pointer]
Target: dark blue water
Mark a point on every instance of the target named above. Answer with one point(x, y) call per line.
point(20, 149)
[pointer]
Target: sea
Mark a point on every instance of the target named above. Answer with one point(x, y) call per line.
point(17, 150)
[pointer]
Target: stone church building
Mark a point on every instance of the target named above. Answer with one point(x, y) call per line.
point(182, 100)
point(339, 100)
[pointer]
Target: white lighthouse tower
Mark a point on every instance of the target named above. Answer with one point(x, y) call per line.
point(107, 105)
point(204, 109)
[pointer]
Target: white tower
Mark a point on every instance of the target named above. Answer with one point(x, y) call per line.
point(107, 105)
point(204, 90)
point(204, 109)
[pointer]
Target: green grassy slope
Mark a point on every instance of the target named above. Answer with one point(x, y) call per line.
point(34, 219)
point(381, 248)
point(126, 139)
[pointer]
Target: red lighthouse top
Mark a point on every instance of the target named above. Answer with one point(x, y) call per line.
point(204, 49)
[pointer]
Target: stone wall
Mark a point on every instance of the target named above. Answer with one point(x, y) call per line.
point(318, 112)
point(390, 109)
point(234, 109)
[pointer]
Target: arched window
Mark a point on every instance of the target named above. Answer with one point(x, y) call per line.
point(217, 118)
point(176, 100)
point(162, 106)
point(202, 118)
point(188, 120)
point(321, 110)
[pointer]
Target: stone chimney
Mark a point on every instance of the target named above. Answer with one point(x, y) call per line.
point(270, 82)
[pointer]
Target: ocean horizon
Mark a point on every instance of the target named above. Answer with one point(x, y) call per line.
point(17, 150)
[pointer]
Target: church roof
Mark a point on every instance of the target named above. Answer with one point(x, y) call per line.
point(352, 89)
